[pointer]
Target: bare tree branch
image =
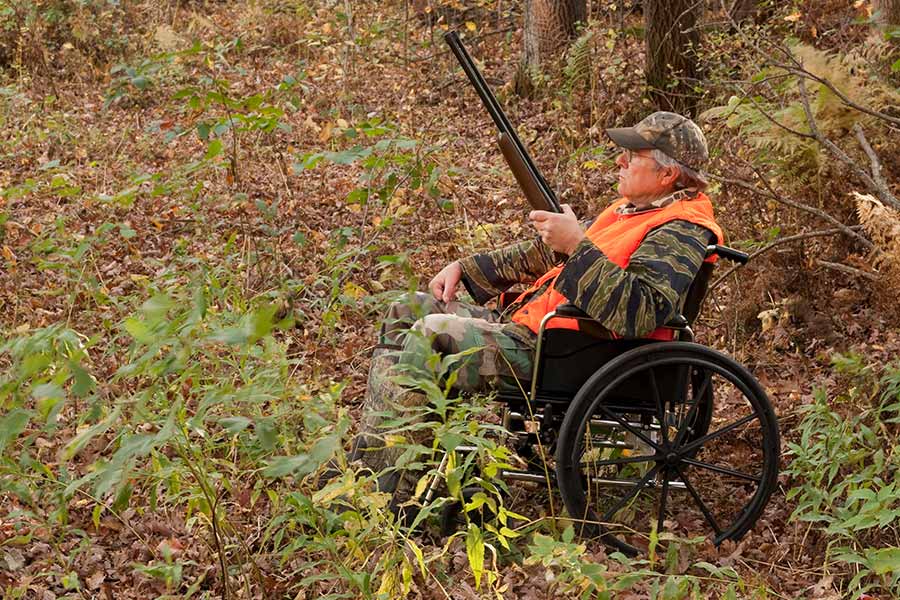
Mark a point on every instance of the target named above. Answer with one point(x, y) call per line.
point(836, 150)
point(779, 242)
point(846, 269)
point(770, 193)
point(804, 74)
point(882, 185)
point(797, 68)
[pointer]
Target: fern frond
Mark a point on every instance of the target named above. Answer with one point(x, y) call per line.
point(882, 224)
point(578, 60)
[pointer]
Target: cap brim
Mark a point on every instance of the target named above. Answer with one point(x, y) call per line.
point(627, 137)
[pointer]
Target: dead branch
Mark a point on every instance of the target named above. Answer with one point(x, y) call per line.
point(780, 241)
point(804, 74)
point(836, 150)
point(770, 193)
point(796, 68)
point(846, 269)
point(884, 191)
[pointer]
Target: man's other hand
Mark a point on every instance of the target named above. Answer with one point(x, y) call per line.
point(560, 231)
point(443, 286)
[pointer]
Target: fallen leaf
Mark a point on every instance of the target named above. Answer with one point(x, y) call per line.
point(325, 134)
point(9, 255)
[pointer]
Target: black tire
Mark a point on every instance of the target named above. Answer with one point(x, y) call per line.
point(727, 475)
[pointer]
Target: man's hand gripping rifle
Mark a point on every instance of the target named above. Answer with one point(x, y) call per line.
point(534, 186)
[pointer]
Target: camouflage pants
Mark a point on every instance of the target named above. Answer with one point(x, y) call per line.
point(448, 328)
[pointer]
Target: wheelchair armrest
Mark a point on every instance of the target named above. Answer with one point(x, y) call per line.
point(677, 322)
point(571, 311)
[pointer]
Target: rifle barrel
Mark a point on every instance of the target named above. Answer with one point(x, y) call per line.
point(497, 115)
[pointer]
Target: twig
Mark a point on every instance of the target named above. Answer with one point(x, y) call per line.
point(846, 269)
point(770, 193)
point(804, 74)
point(797, 69)
point(835, 149)
point(473, 38)
point(880, 183)
point(212, 500)
point(779, 242)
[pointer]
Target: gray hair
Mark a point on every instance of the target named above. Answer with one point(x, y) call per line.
point(687, 177)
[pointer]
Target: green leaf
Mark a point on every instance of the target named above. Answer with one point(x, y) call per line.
point(885, 560)
point(12, 424)
point(304, 464)
point(83, 383)
point(138, 330)
point(266, 432)
point(156, 307)
point(896, 66)
point(126, 232)
point(349, 156)
point(420, 559)
point(81, 440)
point(230, 335)
point(214, 149)
point(475, 552)
point(70, 581)
point(234, 425)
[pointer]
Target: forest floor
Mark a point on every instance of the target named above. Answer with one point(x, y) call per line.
point(231, 162)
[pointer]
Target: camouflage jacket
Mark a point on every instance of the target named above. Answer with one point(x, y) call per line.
point(630, 302)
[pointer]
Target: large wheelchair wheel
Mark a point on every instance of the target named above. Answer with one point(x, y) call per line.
point(641, 447)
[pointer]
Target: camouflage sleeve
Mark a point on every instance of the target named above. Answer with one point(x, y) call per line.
point(491, 273)
point(634, 301)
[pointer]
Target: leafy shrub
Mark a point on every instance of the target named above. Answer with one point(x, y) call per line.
point(844, 469)
point(34, 32)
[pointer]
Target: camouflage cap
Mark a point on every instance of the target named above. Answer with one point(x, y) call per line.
point(674, 135)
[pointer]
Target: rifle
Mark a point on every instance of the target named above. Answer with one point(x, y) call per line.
point(534, 186)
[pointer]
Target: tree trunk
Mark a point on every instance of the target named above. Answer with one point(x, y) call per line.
point(887, 11)
point(549, 26)
point(673, 39)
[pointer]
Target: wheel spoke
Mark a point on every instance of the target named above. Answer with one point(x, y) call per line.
point(624, 460)
point(695, 403)
point(636, 432)
point(699, 501)
point(662, 502)
point(722, 470)
point(719, 432)
point(681, 382)
point(660, 408)
point(627, 497)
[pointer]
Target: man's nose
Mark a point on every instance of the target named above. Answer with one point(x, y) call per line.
point(620, 160)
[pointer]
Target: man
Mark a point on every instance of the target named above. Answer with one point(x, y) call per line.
point(630, 270)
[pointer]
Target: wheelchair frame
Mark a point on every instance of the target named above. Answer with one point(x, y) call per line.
point(565, 424)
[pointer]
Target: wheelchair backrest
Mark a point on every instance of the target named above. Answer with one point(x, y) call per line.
point(697, 292)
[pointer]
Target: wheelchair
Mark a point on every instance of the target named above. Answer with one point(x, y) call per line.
point(643, 436)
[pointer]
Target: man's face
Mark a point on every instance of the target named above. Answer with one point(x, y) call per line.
point(640, 176)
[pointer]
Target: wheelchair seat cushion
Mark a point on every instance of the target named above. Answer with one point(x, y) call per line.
point(570, 357)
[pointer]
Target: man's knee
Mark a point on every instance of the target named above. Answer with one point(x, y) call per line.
point(410, 306)
point(441, 324)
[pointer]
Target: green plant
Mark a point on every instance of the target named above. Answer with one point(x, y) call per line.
point(844, 468)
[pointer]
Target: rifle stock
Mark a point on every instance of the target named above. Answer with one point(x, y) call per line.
point(538, 193)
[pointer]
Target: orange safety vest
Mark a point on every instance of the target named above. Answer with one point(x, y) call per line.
point(617, 236)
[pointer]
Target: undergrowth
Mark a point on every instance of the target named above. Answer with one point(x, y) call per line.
point(844, 465)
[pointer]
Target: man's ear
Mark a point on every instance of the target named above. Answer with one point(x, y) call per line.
point(670, 175)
